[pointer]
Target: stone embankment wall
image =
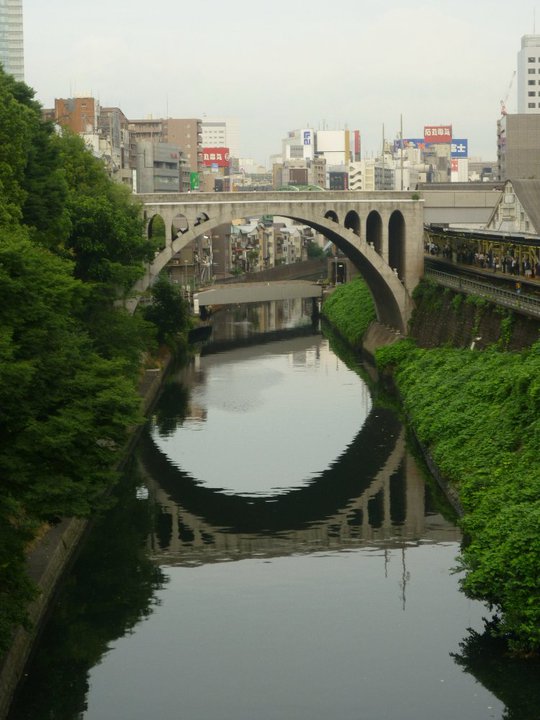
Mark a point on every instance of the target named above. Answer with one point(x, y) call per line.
point(443, 317)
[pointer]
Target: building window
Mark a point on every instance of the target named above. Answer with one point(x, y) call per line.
point(531, 93)
point(531, 82)
point(531, 71)
point(531, 105)
point(531, 59)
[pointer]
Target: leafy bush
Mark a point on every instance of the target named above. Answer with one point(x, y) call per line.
point(350, 309)
point(479, 415)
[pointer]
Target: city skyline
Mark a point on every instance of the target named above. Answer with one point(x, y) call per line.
point(335, 66)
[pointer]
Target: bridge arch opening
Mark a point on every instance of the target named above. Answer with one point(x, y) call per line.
point(201, 218)
point(374, 231)
point(180, 225)
point(352, 222)
point(156, 232)
point(396, 243)
point(331, 215)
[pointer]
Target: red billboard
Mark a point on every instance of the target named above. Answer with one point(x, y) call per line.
point(216, 157)
point(437, 134)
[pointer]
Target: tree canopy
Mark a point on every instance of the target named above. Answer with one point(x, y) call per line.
point(71, 245)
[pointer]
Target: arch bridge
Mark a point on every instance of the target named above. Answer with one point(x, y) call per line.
point(380, 232)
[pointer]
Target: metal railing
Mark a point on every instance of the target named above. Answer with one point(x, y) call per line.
point(520, 302)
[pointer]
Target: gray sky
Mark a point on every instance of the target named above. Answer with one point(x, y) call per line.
point(287, 64)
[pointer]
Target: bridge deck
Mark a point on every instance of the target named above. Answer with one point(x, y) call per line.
point(232, 294)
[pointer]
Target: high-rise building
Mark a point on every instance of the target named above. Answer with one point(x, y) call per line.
point(528, 75)
point(11, 38)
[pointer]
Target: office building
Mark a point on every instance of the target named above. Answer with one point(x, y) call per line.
point(184, 133)
point(528, 75)
point(221, 132)
point(11, 38)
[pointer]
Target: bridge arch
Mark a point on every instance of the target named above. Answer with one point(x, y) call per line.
point(352, 222)
point(157, 231)
point(393, 222)
point(396, 243)
point(374, 231)
point(179, 225)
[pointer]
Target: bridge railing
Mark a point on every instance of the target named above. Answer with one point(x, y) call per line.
point(526, 304)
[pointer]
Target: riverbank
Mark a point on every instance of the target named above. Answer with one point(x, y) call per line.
point(477, 415)
point(52, 554)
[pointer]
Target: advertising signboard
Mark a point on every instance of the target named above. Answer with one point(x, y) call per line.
point(459, 149)
point(417, 143)
point(194, 181)
point(216, 156)
point(437, 134)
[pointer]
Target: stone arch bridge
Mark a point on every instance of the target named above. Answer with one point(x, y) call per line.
point(380, 232)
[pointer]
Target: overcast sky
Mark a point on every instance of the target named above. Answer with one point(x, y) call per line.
point(287, 64)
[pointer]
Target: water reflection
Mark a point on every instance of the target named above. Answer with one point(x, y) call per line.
point(514, 682)
point(369, 491)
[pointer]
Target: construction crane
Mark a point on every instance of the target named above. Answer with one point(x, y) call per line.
point(503, 102)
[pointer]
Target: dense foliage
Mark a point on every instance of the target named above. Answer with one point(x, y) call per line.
point(71, 245)
point(478, 413)
point(168, 312)
point(350, 310)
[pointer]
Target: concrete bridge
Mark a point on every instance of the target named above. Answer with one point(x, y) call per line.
point(233, 293)
point(381, 233)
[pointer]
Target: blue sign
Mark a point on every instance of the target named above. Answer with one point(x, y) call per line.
point(459, 148)
point(307, 137)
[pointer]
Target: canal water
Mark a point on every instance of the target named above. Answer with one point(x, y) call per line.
point(273, 553)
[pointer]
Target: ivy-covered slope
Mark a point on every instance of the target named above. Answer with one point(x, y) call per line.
point(478, 414)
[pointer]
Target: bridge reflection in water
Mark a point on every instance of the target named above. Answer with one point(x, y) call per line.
point(374, 494)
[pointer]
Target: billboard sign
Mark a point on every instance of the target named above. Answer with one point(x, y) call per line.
point(216, 156)
point(307, 135)
point(437, 134)
point(416, 143)
point(459, 149)
point(194, 181)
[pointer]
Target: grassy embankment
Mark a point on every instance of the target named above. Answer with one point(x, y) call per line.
point(478, 414)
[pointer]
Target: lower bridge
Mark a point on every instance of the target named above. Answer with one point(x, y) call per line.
point(248, 292)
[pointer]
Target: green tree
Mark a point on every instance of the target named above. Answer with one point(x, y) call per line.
point(106, 237)
point(64, 410)
point(314, 250)
point(168, 312)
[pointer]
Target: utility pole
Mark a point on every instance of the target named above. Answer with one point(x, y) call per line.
point(382, 184)
point(401, 148)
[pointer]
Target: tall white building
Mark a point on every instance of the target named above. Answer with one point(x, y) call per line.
point(221, 132)
point(528, 75)
point(11, 38)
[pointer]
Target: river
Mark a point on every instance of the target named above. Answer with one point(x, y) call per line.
point(273, 552)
